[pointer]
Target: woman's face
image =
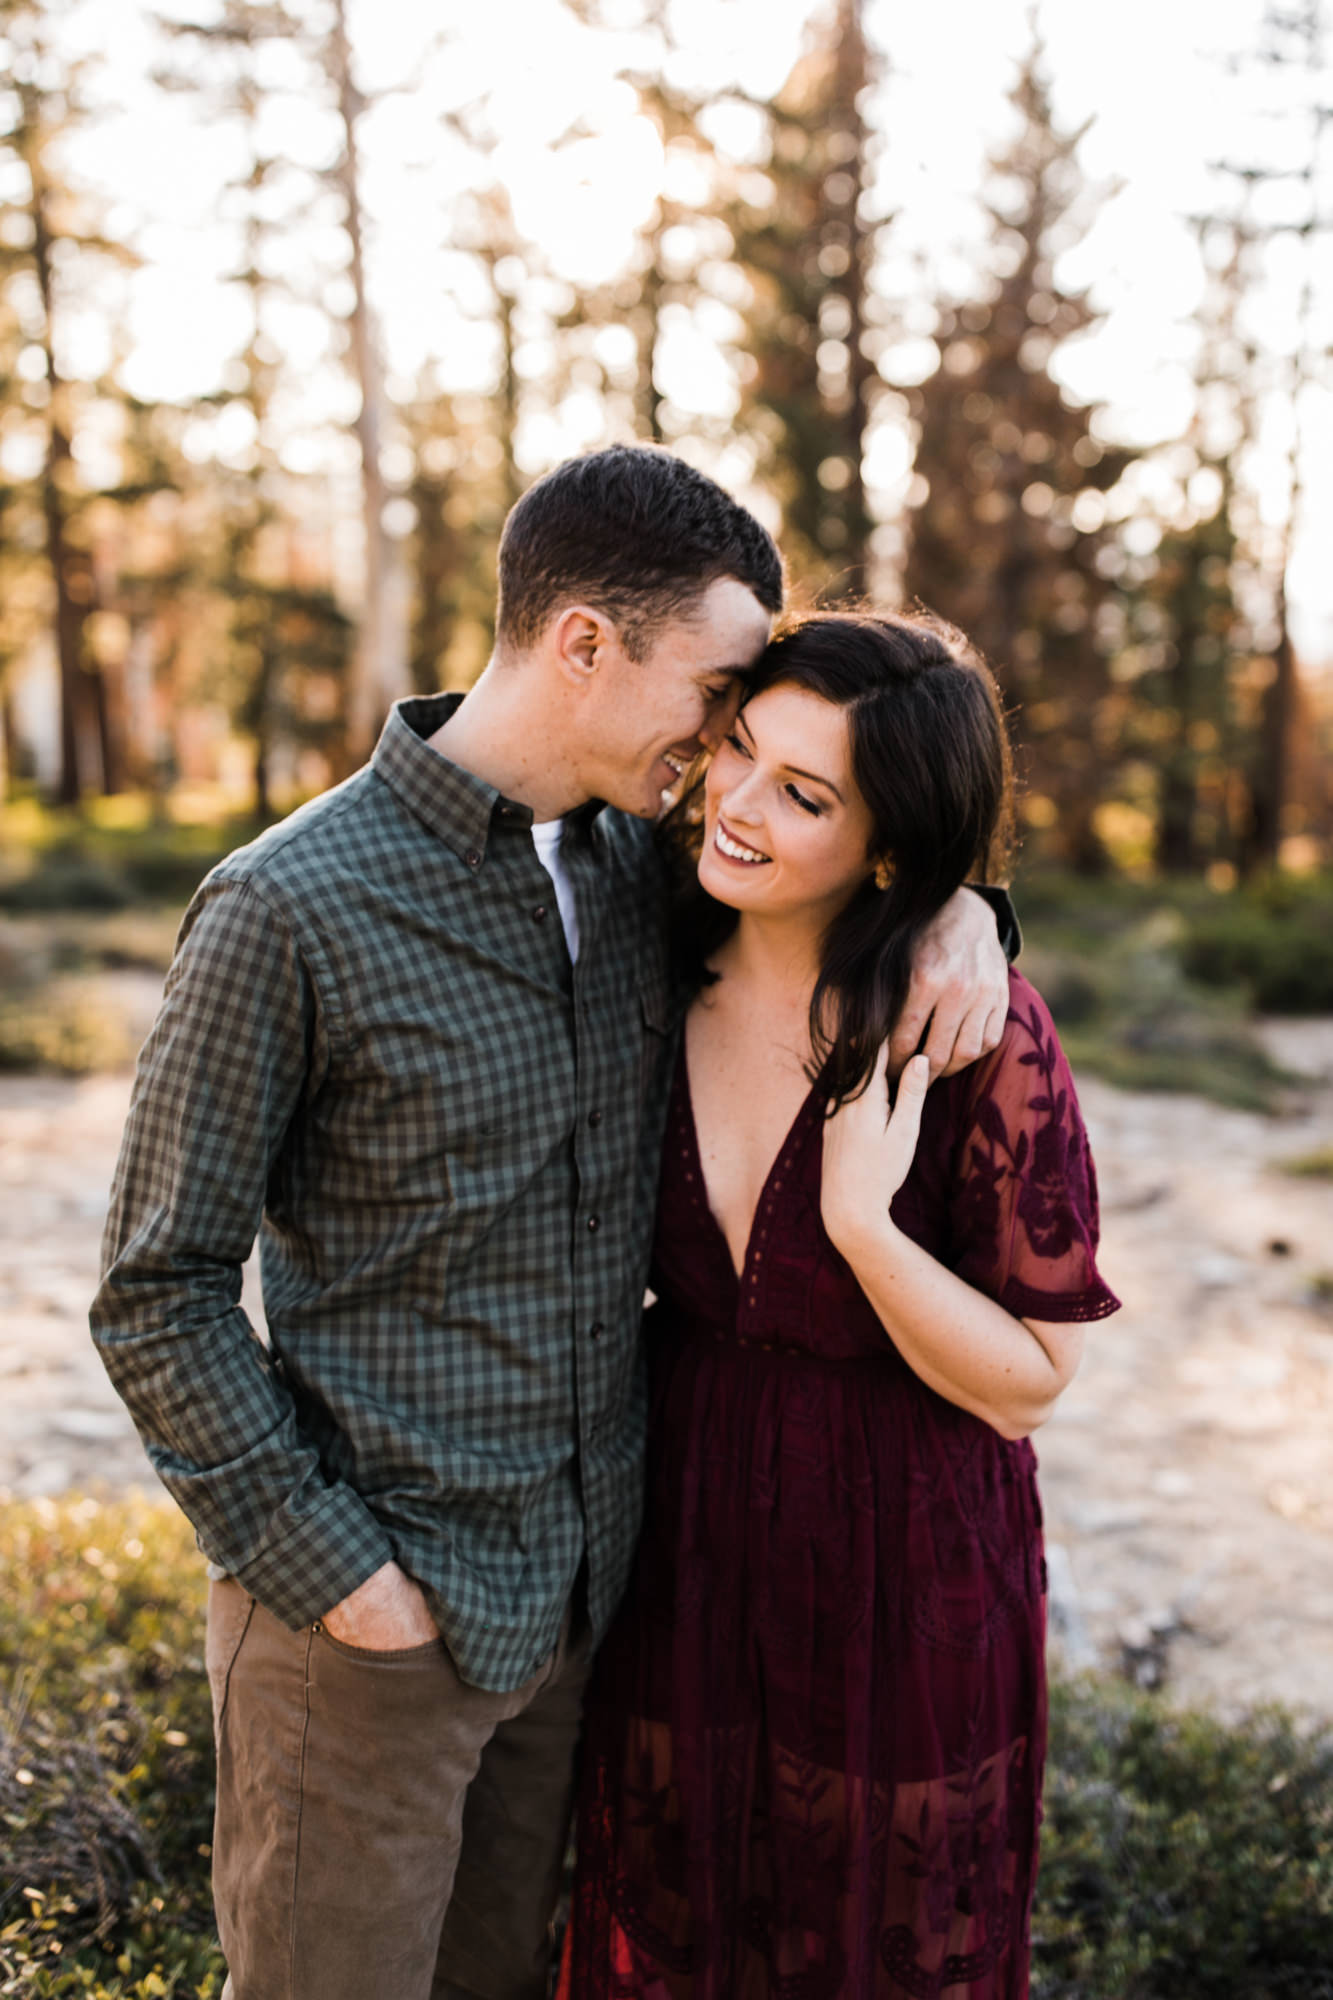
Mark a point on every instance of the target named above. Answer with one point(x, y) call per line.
point(786, 832)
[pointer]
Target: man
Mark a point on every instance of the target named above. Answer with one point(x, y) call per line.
point(421, 1042)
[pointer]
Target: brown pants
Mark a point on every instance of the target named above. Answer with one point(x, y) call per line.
point(384, 1831)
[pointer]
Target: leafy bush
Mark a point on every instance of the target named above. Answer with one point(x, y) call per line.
point(1107, 958)
point(59, 1031)
point(1276, 943)
point(105, 1754)
point(1182, 1856)
point(1315, 1166)
point(67, 880)
point(79, 861)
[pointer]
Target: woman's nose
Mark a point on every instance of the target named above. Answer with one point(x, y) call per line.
point(741, 800)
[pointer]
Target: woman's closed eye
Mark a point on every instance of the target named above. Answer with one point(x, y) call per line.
point(798, 797)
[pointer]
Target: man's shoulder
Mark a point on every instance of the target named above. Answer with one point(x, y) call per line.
point(312, 846)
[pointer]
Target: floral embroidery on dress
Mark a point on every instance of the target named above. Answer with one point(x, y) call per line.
point(815, 1733)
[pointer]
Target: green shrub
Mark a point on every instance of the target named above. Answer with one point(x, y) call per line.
point(73, 861)
point(67, 880)
point(59, 1031)
point(1183, 1858)
point(1315, 1166)
point(1151, 983)
point(1282, 957)
point(105, 1754)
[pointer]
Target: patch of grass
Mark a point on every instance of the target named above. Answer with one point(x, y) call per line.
point(105, 1754)
point(1316, 1166)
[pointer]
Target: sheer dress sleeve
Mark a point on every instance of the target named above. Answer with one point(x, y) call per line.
point(1023, 1203)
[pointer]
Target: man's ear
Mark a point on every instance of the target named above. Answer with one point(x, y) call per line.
point(579, 638)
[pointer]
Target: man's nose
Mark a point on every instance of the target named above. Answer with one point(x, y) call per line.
point(719, 719)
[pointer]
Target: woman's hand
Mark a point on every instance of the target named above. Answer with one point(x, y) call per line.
point(868, 1150)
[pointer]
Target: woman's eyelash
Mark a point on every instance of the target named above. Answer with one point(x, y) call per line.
point(807, 805)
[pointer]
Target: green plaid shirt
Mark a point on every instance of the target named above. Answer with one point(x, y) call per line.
point(373, 1050)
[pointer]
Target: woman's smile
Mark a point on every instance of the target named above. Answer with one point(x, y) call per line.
point(736, 850)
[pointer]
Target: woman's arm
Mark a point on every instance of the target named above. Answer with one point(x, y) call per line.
point(962, 1344)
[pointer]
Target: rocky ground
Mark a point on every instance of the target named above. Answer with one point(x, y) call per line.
point(1188, 1473)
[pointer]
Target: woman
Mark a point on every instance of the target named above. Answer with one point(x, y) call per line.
point(815, 1737)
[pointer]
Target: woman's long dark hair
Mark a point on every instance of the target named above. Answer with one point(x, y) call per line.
point(931, 758)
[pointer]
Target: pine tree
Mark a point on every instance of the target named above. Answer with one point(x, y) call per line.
point(53, 234)
point(806, 243)
point(461, 490)
point(1292, 46)
point(1008, 536)
point(286, 659)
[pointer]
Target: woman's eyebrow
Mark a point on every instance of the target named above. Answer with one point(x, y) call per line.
point(815, 779)
point(795, 769)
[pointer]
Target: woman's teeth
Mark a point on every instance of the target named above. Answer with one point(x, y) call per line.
point(733, 849)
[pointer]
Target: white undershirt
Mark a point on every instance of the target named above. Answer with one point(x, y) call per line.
point(546, 838)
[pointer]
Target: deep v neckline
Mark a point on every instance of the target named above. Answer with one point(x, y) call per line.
point(771, 1184)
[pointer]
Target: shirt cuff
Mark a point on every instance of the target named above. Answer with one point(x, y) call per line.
point(1006, 918)
point(319, 1559)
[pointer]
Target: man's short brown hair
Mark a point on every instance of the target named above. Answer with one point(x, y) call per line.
point(634, 532)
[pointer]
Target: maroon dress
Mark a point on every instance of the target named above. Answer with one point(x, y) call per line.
point(816, 1730)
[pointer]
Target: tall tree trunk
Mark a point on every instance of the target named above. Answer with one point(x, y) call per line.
point(1270, 785)
point(10, 754)
point(380, 674)
point(647, 395)
point(509, 392)
point(61, 559)
point(853, 77)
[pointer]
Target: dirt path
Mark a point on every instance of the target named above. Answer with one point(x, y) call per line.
point(1188, 1473)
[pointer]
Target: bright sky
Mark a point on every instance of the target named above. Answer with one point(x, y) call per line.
point(1147, 72)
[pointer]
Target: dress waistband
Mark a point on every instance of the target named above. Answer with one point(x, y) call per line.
point(727, 1336)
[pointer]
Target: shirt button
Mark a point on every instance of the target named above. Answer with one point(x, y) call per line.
point(594, 1119)
point(472, 858)
point(594, 1224)
point(539, 914)
point(596, 1330)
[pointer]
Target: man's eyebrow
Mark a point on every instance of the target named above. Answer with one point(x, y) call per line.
point(812, 776)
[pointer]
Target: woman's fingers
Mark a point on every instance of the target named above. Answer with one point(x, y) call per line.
point(905, 1120)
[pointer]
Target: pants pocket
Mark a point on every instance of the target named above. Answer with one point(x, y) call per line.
point(374, 1656)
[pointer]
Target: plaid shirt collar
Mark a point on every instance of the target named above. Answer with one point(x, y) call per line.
point(456, 806)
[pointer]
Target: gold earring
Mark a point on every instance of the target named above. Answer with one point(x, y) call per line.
point(883, 874)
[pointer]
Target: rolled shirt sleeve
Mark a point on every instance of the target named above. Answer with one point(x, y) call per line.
point(239, 1046)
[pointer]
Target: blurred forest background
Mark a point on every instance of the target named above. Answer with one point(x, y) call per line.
point(209, 597)
point(296, 296)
